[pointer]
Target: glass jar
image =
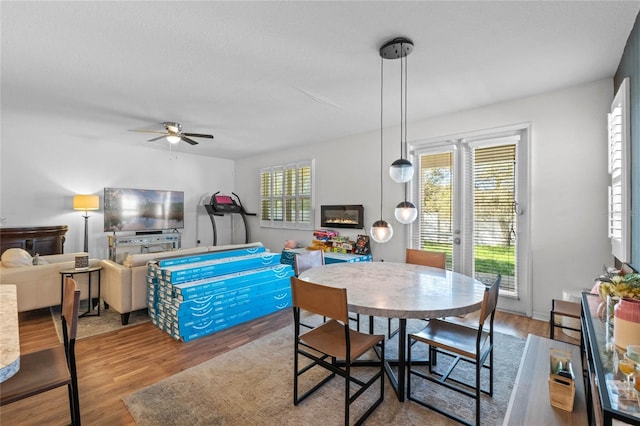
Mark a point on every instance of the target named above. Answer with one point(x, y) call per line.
point(626, 328)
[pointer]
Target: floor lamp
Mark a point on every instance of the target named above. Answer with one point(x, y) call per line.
point(86, 203)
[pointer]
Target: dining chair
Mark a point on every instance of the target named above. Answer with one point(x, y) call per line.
point(53, 367)
point(307, 260)
point(332, 340)
point(564, 308)
point(473, 345)
point(425, 258)
point(311, 259)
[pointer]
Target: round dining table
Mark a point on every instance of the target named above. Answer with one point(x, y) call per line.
point(403, 291)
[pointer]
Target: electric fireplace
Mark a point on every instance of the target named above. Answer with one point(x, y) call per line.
point(342, 216)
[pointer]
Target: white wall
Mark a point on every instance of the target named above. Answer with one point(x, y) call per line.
point(45, 161)
point(568, 208)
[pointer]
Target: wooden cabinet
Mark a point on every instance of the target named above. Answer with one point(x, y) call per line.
point(42, 240)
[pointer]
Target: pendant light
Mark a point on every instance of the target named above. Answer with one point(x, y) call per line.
point(405, 212)
point(381, 231)
point(401, 170)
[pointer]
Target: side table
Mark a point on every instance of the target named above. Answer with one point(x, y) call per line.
point(90, 270)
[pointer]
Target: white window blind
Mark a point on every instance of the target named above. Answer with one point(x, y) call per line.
point(618, 161)
point(491, 169)
point(287, 196)
point(434, 229)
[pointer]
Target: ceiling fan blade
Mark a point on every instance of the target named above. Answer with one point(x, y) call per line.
point(198, 135)
point(155, 139)
point(189, 141)
point(149, 131)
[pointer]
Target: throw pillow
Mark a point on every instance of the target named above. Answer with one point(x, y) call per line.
point(15, 257)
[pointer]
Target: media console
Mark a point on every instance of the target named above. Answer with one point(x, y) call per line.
point(122, 245)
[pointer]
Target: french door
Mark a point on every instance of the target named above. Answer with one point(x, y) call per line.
point(472, 193)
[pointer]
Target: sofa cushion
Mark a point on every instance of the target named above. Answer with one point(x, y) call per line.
point(15, 257)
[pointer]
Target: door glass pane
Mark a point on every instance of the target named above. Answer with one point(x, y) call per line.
point(436, 204)
point(494, 219)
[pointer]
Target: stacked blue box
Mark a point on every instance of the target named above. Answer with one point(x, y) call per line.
point(177, 274)
point(192, 296)
point(203, 257)
point(342, 257)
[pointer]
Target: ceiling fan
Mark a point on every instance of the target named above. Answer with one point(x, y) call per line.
point(173, 133)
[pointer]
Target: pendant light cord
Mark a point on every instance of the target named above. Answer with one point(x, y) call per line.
point(381, 125)
point(401, 104)
point(406, 66)
point(406, 149)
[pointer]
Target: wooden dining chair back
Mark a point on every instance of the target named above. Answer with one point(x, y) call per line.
point(473, 345)
point(307, 260)
point(311, 259)
point(572, 311)
point(53, 367)
point(329, 343)
point(426, 258)
point(420, 257)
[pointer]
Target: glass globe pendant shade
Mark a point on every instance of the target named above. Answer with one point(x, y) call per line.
point(173, 139)
point(381, 231)
point(401, 170)
point(406, 212)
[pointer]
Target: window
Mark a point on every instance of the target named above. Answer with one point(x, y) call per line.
point(619, 207)
point(286, 194)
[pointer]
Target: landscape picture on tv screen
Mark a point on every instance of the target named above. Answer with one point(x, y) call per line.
point(142, 210)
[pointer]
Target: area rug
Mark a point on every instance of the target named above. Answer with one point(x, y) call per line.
point(252, 385)
point(109, 320)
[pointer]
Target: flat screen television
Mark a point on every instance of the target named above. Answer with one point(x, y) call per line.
point(142, 210)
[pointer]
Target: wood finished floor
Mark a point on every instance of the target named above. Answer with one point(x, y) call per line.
point(118, 363)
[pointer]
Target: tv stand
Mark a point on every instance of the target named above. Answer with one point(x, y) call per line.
point(148, 232)
point(122, 245)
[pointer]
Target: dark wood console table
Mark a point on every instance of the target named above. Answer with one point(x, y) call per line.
point(42, 240)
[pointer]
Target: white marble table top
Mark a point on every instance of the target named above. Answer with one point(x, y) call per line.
point(9, 335)
point(400, 290)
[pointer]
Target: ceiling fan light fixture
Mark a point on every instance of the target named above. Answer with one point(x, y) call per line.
point(173, 139)
point(172, 127)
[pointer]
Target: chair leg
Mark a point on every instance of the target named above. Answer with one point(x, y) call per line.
point(347, 393)
point(552, 323)
point(478, 369)
point(409, 368)
point(390, 333)
point(74, 394)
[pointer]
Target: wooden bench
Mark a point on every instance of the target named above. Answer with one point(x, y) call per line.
point(530, 396)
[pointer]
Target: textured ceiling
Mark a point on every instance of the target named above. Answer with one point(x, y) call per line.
point(267, 75)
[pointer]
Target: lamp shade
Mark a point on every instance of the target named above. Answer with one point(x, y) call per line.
point(401, 170)
point(381, 231)
point(86, 202)
point(406, 212)
point(173, 139)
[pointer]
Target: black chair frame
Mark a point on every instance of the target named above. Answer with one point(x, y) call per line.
point(483, 351)
point(335, 367)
